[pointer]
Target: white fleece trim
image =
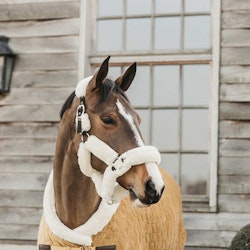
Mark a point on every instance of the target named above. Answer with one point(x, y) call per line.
point(80, 235)
point(84, 157)
point(106, 185)
point(156, 178)
point(101, 150)
point(82, 86)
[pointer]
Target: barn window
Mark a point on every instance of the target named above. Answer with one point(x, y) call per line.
point(176, 87)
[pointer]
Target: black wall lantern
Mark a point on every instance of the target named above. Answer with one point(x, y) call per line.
point(7, 60)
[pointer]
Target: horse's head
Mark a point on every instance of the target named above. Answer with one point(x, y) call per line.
point(115, 122)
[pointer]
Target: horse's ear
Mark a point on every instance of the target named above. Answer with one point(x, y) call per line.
point(125, 80)
point(102, 72)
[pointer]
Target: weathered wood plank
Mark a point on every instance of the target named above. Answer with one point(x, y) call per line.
point(21, 198)
point(19, 232)
point(215, 221)
point(35, 113)
point(28, 130)
point(233, 184)
point(236, 19)
point(24, 164)
point(17, 247)
point(235, 56)
point(35, 62)
point(36, 96)
point(46, 79)
point(203, 238)
point(235, 74)
point(20, 215)
point(30, 1)
point(234, 166)
point(234, 111)
point(235, 5)
point(234, 147)
point(39, 11)
point(59, 27)
point(235, 92)
point(27, 147)
point(234, 203)
point(63, 44)
point(235, 38)
point(23, 181)
point(234, 129)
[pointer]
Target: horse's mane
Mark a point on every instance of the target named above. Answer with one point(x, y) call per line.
point(107, 88)
point(67, 103)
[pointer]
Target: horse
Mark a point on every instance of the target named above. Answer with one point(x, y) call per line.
point(106, 189)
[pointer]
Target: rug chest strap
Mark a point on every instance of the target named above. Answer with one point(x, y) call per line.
point(49, 247)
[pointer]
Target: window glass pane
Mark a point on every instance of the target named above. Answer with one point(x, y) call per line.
point(104, 8)
point(194, 174)
point(167, 33)
point(114, 72)
point(166, 85)
point(145, 123)
point(196, 84)
point(138, 7)
point(197, 32)
point(195, 130)
point(170, 162)
point(139, 91)
point(105, 35)
point(165, 129)
point(167, 6)
point(197, 5)
point(138, 34)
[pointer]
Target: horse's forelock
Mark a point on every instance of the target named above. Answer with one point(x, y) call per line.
point(108, 87)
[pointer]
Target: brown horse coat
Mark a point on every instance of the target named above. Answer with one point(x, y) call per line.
point(158, 227)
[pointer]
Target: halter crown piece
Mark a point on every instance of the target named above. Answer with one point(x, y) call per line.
point(106, 185)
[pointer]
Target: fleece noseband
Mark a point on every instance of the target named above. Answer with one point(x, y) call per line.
point(117, 165)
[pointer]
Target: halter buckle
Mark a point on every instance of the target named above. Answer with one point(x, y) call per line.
point(84, 136)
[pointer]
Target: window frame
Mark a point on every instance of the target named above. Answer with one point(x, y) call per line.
point(87, 60)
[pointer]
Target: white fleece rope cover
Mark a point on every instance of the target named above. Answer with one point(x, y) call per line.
point(106, 184)
point(82, 234)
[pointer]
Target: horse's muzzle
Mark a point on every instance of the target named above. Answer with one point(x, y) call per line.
point(151, 195)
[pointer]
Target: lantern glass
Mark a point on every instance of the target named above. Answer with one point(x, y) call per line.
point(1, 67)
point(7, 58)
point(6, 74)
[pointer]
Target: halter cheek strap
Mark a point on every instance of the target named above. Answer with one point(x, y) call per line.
point(117, 165)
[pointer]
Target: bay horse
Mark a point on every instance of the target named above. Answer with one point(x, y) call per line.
point(101, 165)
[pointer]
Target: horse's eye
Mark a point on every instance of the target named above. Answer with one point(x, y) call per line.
point(108, 121)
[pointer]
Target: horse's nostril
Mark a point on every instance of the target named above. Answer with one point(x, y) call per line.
point(150, 190)
point(162, 189)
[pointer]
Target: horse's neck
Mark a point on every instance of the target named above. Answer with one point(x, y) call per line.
point(75, 195)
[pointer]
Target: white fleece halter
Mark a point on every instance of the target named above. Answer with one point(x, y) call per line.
point(117, 165)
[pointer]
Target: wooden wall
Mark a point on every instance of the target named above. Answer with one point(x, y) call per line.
point(234, 167)
point(44, 34)
point(216, 230)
